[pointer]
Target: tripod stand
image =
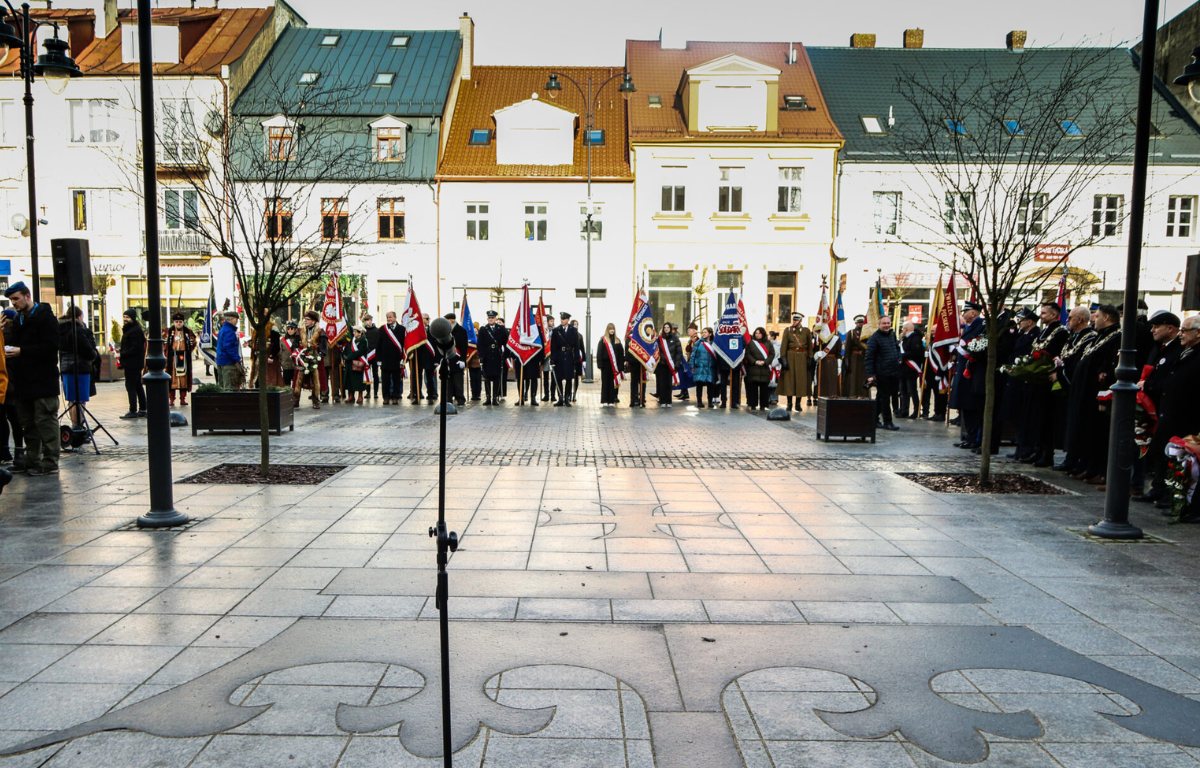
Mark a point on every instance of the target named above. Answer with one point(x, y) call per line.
point(79, 431)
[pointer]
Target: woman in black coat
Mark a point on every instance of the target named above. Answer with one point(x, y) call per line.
point(610, 365)
point(760, 353)
point(668, 345)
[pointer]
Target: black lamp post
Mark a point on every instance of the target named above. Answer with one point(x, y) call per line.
point(56, 67)
point(162, 512)
point(553, 87)
point(1115, 524)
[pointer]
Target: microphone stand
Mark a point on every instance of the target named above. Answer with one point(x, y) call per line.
point(446, 541)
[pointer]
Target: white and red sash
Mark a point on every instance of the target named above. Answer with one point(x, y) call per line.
point(763, 351)
point(399, 347)
point(618, 374)
point(666, 355)
point(294, 352)
point(708, 348)
point(367, 358)
point(913, 364)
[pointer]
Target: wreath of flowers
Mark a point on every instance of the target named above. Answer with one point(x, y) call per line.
point(1183, 471)
point(307, 361)
point(977, 344)
point(1034, 367)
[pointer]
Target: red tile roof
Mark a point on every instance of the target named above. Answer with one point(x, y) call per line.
point(221, 37)
point(493, 88)
point(660, 72)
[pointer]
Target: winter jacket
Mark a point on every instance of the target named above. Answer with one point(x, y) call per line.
point(755, 373)
point(83, 342)
point(704, 370)
point(883, 355)
point(228, 351)
point(34, 373)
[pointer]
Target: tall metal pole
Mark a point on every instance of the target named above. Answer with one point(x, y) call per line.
point(1115, 524)
point(447, 541)
point(26, 58)
point(162, 512)
point(587, 139)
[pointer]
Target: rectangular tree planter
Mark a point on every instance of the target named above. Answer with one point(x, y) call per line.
point(845, 417)
point(238, 411)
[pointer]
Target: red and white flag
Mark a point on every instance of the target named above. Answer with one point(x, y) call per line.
point(525, 337)
point(944, 333)
point(333, 314)
point(413, 322)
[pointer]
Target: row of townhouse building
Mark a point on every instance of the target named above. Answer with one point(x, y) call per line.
point(764, 168)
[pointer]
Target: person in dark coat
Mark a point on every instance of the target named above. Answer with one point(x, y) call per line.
point(565, 348)
point(669, 346)
point(133, 360)
point(390, 356)
point(462, 346)
point(1065, 425)
point(912, 362)
point(760, 353)
point(492, 342)
point(610, 359)
point(1014, 407)
point(77, 351)
point(882, 365)
point(33, 379)
point(372, 334)
point(356, 350)
point(578, 364)
point(963, 393)
point(1096, 373)
point(1180, 412)
point(1159, 370)
point(1037, 421)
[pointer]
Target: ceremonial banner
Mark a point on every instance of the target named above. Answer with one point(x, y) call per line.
point(413, 322)
point(874, 312)
point(525, 337)
point(208, 340)
point(840, 318)
point(333, 313)
point(469, 326)
point(943, 334)
point(542, 323)
point(1063, 297)
point(639, 333)
point(823, 316)
point(730, 339)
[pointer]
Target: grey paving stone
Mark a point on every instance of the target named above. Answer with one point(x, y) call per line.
point(242, 631)
point(844, 613)
point(564, 609)
point(57, 628)
point(486, 583)
point(283, 602)
point(126, 750)
point(271, 751)
point(728, 611)
point(102, 600)
point(57, 705)
point(107, 664)
point(496, 608)
point(18, 663)
point(194, 601)
point(659, 610)
point(154, 629)
point(376, 606)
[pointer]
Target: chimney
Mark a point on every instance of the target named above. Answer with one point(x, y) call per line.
point(914, 38)
point(671, 39)
point(1015, 40)
point(106, 17)
point(466, 28)
point(860, 40)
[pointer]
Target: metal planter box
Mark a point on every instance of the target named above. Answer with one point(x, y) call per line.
point(238, 412)
point(845, 417)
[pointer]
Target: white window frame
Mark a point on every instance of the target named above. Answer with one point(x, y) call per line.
point(597, 221)
point(179, 140)
point(280, 122)
point(956, 213)
point(731, 189)
point(89, 117)
point(1031, 216)
point(1108, 213)
point(396, 209)
point(178, 197)
point(390, 124)
point(478, 214)
point(1181, 217)
point(8, 123)
point(675, 179)
point(887, 213)
point(791, 187)
point(97, 214)
point(537, 222)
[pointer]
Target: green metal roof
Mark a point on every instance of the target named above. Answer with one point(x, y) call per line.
point(423, 72)
point(862, 82)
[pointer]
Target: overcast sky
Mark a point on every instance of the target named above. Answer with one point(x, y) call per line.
point(566, 32)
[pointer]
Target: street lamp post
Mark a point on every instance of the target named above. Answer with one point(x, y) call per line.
point(162, 512)
point(1115, 524)
point(56, 67)
point(553, 87)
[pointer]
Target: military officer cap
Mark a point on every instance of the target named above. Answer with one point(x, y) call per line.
point(292, 324)
point(492, 313)
point(1165, 318)
point(797, 315)
point(975, 305)
point(564, 315)
point(860, 318)
point(1025, 313)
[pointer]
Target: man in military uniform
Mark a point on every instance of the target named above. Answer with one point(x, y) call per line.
point(794, 346)
point(1159, 369)
point(1081, 339)
point(966, 394)
point(492, 341)
point(1038, 422)
point(565, 349)
point(854, 371)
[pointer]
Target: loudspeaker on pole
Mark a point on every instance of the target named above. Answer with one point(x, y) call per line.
point(72, 266)
point(1191, 284)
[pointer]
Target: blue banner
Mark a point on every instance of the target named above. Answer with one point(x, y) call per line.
point(472, 339)
point(730, 341)
point(641, 341)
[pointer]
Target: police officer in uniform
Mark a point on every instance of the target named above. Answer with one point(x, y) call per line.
point(492, 341)
point(565, 349)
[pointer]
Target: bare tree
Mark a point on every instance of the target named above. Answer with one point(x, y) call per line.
point(273, 193)
point(1005, 152)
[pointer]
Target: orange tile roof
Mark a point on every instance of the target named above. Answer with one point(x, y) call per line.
point(223, 36)
point(660, 72)
point(492, 88)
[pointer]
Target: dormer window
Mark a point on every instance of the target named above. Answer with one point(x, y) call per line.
point(329, 41)
point(872, 125)
point(400, 41)
point(164, 43)
point(480, 137)
point(1013, 128)
point(385, 78)
point(308, 78)
point(655, 100)
point(280, 138)
point(956, 127)
point(391, 136)
point(1071, 129)
point(798, 103)
point(595, 137)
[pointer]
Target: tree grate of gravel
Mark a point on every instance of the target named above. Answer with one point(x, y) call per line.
point(961, 482)
point(280, 474)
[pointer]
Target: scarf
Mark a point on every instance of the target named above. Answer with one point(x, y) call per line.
point(618, 374)
point(666, 355)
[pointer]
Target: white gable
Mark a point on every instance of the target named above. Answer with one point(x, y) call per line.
point(278, 121)
point(387, 121)
point(533, 132)
point(733, 65)
point(733, 94)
